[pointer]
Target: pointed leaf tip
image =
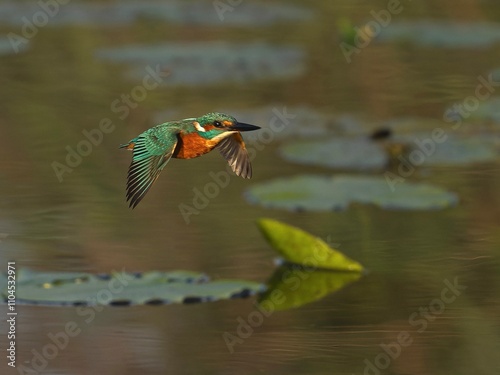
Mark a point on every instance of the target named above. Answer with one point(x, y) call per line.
point(299, 247)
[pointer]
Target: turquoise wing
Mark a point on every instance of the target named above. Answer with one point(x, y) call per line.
point(152, 151)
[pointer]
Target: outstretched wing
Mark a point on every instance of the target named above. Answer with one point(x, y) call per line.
point(234, 151)
point(151, 154)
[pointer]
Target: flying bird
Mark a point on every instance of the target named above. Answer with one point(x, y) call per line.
point(184, 139)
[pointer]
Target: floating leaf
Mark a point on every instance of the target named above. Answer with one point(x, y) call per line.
point(442, 34)
point(346, 153)
point(207, 63)
point(299, 247)
point(488, 109)
point(294, 286)
point(63, 288)
point(319, 193)
point(364, 154)
point(180, 12)
point(454, 151)
point(248, 14)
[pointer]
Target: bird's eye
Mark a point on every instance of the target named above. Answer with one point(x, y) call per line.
point(217, 124)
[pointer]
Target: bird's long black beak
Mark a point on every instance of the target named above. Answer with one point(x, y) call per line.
point(242, 127)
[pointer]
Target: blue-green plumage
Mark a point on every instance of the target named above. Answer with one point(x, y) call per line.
point(184, 139)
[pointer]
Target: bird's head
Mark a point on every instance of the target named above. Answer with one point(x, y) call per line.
point(214, 124)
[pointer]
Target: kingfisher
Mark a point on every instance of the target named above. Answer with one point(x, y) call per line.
point(184, 139)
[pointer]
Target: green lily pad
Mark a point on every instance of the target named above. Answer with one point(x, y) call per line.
point(179, 12)
point(318, 193)
point(455, 151)
point(299, 247)
point(487, 110)
point(247, 14)
point(342, 153)
point(122, 288)
point(442, 34)
point(292, 286)
point(206, 63)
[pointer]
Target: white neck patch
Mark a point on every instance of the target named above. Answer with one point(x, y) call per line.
point(198, 126)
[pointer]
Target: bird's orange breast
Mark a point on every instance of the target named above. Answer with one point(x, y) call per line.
point(192, 145)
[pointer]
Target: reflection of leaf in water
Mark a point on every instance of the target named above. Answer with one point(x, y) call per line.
point(318, 193)
point(345, 153)
point(300, 247)
point(292, 286)
point(62, 288)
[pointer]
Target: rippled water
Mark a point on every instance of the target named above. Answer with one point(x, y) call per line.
point(431, 296)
